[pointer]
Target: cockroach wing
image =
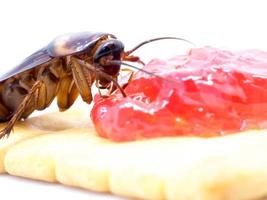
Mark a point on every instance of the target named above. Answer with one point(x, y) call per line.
point(68, 44)
point(34, 60)
point(74, 43)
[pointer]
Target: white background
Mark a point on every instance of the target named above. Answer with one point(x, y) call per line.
point(27, 25)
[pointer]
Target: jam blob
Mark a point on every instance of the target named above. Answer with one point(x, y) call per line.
point(207, 92)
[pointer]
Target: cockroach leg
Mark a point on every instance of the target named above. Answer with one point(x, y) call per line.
point(129, 80)
point(131, 58)
point(100, 72)
point(28, 98)
point(83, 79)
point(99, 91)
point(101, 95)
point(67, 93)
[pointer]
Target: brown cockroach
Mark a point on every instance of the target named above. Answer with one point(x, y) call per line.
point(65, 68)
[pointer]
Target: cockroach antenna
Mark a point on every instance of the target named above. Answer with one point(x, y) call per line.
point(156, 39)
point(118, 62)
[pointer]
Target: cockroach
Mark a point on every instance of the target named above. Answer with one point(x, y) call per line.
point(65, 68)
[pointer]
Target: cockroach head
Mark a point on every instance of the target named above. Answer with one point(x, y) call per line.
point(108, 50)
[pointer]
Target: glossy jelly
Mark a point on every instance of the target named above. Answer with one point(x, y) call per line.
point(207, 92)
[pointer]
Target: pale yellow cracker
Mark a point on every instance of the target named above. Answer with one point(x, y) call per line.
point(230, 167)
point(22, 132)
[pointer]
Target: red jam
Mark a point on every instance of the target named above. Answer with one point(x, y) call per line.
point(208, 92)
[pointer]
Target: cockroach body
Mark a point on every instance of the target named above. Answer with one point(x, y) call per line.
point(65, 68)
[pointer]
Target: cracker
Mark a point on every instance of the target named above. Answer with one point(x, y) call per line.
point(230, 167)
